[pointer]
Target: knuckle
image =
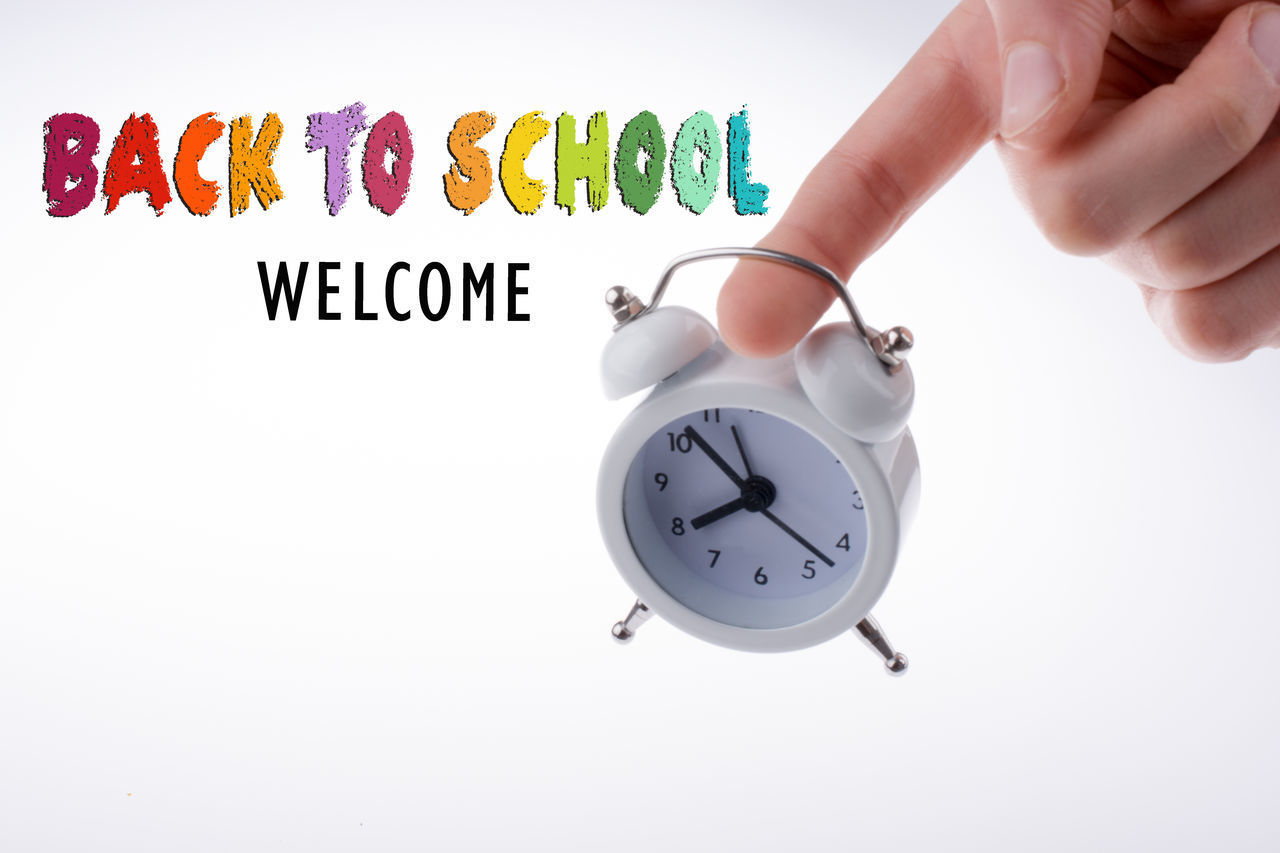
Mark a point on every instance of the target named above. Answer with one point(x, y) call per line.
point(1196, 324)
point(1072, 223)
point(1232, 122)
point(1178, 255)
point(874, 183)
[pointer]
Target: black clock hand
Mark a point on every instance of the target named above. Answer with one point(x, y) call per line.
point(715, 457)
point(738, 439)
point(722, 511)
point(796, 536)
point(718, 513)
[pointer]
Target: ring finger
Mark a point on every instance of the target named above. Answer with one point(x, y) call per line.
point(1225, 320)
point(1223, 230)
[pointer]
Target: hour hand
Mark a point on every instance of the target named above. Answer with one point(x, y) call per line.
point(718, 513)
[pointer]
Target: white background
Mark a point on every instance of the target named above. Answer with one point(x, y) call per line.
point(338, 586)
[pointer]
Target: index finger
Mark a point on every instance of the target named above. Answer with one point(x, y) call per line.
point(927, 123)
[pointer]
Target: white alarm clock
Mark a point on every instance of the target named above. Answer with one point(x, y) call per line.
point(757, 504)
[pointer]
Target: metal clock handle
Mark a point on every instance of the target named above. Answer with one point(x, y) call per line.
point(890, 346)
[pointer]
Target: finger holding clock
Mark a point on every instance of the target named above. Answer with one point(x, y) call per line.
point(1093, 187)
point(940, 109)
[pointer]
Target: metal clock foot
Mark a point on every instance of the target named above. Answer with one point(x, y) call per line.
point(868, 630)
point(626, 629)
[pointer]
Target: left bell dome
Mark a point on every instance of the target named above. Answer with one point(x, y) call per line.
point(651, 347)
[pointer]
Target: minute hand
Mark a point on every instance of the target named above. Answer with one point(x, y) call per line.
point(796, 536)
point(715, 457)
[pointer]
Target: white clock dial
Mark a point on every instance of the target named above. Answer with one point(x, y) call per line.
point(748, 502)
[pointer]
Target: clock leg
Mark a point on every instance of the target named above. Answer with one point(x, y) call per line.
point(626, 629)
point(868, 630)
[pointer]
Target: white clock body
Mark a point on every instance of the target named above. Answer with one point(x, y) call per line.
point(789, 559)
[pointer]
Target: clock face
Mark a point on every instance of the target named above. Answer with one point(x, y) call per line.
point(732, 509)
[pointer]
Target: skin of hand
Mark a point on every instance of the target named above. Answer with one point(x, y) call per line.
point(1142, 131)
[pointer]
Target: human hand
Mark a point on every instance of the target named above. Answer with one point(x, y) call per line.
point(1140, 130)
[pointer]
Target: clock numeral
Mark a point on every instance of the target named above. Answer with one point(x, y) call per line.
point(857, 500)
point(715, 556)
point(708, 414)
point(809, 568)
point(844, 542)
point(680, 442)
point(760, 577)
point(677, 526)
point(661, 480)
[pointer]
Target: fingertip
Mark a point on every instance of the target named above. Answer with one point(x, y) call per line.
point(745, 324)
point(1264, 36)
point(758, 316)
point(1034, 84)
point(1196, 327)
point(1050, 59)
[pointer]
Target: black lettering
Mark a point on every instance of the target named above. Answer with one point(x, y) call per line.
point(470, 283)
point(513, 291)
point(398, 266)
point(326, 289)
point(424, 281)
point(361, 314)
point(292, 297)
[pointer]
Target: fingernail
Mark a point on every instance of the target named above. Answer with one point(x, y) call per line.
point(1033, 82)
point(1264, 38)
